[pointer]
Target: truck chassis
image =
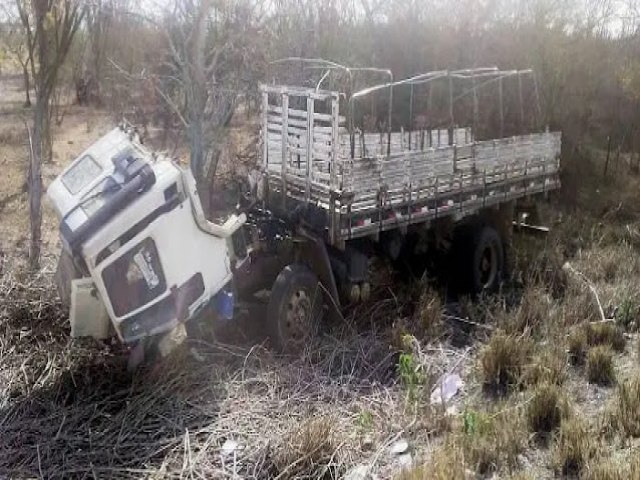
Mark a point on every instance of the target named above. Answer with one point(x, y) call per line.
point(346, 194)
point(334, 190)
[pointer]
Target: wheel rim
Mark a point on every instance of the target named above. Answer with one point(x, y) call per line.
point(488, 266)
point(297, 321)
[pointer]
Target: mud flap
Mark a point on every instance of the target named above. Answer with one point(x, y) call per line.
point(66, 271)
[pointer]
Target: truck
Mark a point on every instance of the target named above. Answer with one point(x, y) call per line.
point(346, 174)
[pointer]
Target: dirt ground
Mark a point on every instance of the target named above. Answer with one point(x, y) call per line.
point(357, 403)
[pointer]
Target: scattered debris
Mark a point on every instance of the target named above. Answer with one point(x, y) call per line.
point(367, 442)
point(399, 447)
point(229, 447)
point(359, 472)
point(446, 388)
point(197, 356)
point(405, 461)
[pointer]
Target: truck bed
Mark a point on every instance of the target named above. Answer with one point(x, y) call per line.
point(372, 182)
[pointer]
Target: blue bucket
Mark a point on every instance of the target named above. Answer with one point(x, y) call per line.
point(224, 304)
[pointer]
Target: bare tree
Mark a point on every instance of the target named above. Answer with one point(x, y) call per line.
point(98, 18)
point(214, 55)
point(49, 27)
point(15, 42)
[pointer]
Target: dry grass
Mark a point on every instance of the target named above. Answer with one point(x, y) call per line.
point(545, 269)
point(309, 451)
point(491, 441)
point(615, 469)
point(487, 443)
point(546, 409)
point(609, 263)
point(503, 361)
point(578, 307)
point(627, 412)
point(13, 136)
point(70, 410)
point(549, 366)
point(608, 469)
point(600, 369)
point(575, 447)
point(522, 476)
point(577, 346)
point(533, 312)
point(446, 463)
point(606, 333)
point(429, 313)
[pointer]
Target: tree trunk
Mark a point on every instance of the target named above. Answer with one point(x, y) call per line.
point(40, 119)
point(27, 85)
point(197, 161)
point(47, 138)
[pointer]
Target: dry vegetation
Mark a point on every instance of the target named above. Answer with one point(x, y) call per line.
point(551, 388)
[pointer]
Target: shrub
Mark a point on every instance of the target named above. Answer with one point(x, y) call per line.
point(549, 367)
point(600, 366)
point(364, 420)
point(411, 374)
point(627, 313)
point(577, 343)
point(546, 409)
point(574, 448)
point(628, 407)
point(503, 360)
point(605, 334)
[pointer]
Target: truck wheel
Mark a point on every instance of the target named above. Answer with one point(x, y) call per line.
point(295, 309)
point(487, 262)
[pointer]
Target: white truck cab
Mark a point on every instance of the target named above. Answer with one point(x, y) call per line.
point(132, 221)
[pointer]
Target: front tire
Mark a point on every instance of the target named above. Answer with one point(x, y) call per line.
point(295, 309)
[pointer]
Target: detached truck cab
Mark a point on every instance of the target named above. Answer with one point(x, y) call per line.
point(132, 222)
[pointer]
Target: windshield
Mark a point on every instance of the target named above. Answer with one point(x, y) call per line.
point(99, 195)
point(81, 174)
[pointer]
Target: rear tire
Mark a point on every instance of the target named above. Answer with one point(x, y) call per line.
point(480, 259)
point(295, 309)
point(487, 267)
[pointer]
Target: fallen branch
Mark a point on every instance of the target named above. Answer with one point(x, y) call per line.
point(567, 267)
point(468, 322)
